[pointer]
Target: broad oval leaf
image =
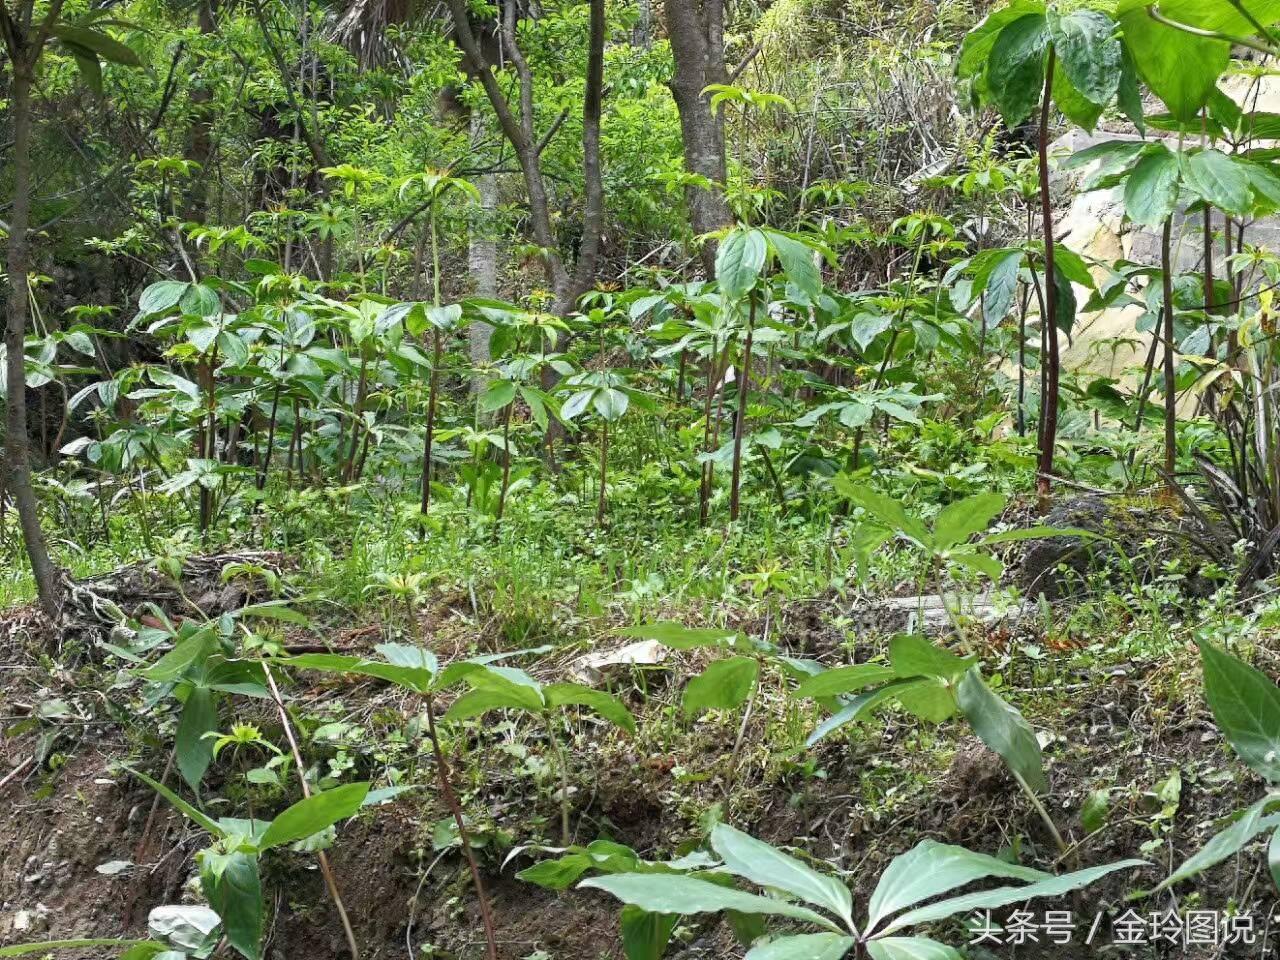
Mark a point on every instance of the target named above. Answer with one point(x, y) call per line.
point(1003, 729)
point(959, 521)
point(609, 707)
point(913, 656)
point(1246, 705)
point(1089, 52)
point(1015, 75)
point(313, 814)
point(847, 679)
point(1219, 180)
point(740, 261)
point(1151, 191)
point(724, 685)
point(161, 295)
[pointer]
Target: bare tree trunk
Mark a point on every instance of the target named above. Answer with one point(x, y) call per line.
point(642, 32)
point(592, 177)
point(518, 130)
point(17, 443)
point(696, 31)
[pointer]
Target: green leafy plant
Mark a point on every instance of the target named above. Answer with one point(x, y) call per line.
point(229, 869)
point(508, 688)
point(899, 902)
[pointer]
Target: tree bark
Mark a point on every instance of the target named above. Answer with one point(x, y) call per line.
point(696, 32)
point(518, 130)
point(17, 442)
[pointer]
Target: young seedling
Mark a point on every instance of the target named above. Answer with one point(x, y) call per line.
point(229, 869)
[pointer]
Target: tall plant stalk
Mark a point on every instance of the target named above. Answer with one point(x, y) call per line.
point(24, 44)
point(433, 385)
point(739, 426)
point(1170, 387)
point(1049, 396)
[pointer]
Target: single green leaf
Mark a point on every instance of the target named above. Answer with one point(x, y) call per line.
point(96, 41)
point(609, 707)
point(90, 70)
point(313, 814)
point(1246, 705)
point(1089, 52)
point(1180, 68)
point(236, 894)
point(932, 700)
point(684, 896)
point(1219, 180)
point(975, 50)
point(839, 680)
point(745, 856)
point(960, 520)
point(558, 874)
point(1094, 811)
point(408, 655)
point(49, 946)
point(679, 637)
point(1151, 191)
point(885, 510)
point(1003, 729)
point(499, 395)
point(610, 404)
point(1273, 858)
point(797, 260)
point(200, 300)
point(194, 751)
point(195, 816)
point(912, 655)
point(1003, 896)
point(740, 260)
point(931, 869)
point(1227, 842)
point(1129, 93)
point(413, 678)
point(1015, 74)
point(861, 704)
point(645, 935)
point(910, 948)
point(998, 284)
point(724, 685)
point(1111, 155)
point(804, 946)
point(161, 296)
point(1075, 106)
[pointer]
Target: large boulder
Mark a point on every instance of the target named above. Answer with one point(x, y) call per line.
point(1136, 539)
